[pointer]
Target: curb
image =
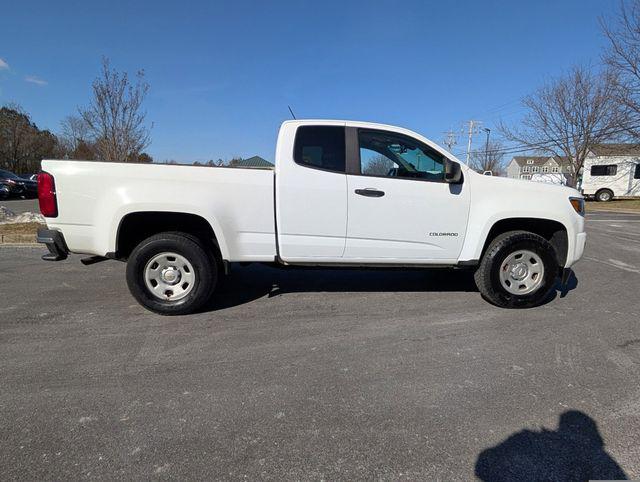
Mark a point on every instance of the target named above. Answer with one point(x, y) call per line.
point(10, 239)
point(614, 211)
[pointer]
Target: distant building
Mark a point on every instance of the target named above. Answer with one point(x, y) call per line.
point(255, 161)
point(523, 167)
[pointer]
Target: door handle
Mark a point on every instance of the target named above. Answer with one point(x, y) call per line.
point(370, 192)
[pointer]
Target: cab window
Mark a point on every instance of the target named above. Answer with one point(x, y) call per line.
point(388, 154)
point(320, 147)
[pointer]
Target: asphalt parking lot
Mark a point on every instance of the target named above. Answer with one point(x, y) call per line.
point(322, 374)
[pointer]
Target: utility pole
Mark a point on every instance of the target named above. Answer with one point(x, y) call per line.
point(486, 148)
point(451, 139)
point(474, 125)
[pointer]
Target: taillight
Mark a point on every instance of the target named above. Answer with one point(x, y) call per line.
point(47, 195)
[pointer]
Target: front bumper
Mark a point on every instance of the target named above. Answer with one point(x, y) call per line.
point(55, 243)
point(580, 244)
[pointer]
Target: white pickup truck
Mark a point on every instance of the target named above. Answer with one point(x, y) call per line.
point(342, 193)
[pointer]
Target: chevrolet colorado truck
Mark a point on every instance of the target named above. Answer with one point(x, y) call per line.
point(342, 193)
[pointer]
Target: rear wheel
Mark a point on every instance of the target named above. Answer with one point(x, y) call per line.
point(171, 273)
point(604, 195)
point(518, 270)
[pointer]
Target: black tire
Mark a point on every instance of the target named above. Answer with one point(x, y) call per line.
point(604, 195)
point(192, 249)
point(487, 276)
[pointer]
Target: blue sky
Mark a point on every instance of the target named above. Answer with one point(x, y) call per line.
point(222, 73)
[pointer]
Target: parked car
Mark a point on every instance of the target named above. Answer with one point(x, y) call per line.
point(342, 193)
point(604, 179)
point(19, 187)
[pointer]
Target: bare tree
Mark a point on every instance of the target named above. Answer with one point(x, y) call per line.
point(378, 166)
point(489, 158)
point(569, 115)
point(75, 138)
point(115, 116)
point(74, 130)
point(623, 57)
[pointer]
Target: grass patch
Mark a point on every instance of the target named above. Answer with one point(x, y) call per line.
point(20, 228)
point(632, 205)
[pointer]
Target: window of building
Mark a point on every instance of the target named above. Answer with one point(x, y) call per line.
point(526, 169)
point(604, 170)
point(525, 176)
point(529, 161)
point(555, 169)
point(322, 147)
point(536, 169)
point(545, 169)
point(388, 154)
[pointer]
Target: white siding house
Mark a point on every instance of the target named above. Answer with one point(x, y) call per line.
point(523, 167)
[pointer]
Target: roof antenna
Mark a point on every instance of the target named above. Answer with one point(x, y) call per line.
point(292, 114)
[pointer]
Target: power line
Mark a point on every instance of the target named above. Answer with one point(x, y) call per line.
point(474, 126)
point(552, 142)
point(451, 139)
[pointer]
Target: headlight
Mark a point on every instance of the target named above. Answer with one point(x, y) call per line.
point(578, 204)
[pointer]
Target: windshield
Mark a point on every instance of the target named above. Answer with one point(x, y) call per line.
point(8, 174)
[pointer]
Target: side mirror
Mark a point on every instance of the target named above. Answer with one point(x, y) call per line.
point(452, 172)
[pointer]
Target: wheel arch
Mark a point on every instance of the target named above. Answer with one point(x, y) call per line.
point(553, 231)
point(136, 226)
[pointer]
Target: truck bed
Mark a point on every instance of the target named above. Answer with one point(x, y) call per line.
point(94, 197)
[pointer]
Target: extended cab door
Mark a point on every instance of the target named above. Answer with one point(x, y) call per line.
point(311, 192)
point(400, 208)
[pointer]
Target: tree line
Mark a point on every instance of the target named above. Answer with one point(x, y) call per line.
point(112, 127)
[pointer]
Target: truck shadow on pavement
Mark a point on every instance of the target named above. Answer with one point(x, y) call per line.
point(248, 283)
point(573, 452)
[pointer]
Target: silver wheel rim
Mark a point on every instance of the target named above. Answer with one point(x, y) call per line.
point(169, 276)
point(605, 196)
point(522, 272)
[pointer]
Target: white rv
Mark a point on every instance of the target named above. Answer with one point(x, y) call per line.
point(612, 171)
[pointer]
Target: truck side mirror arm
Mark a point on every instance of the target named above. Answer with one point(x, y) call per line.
point(452, 172)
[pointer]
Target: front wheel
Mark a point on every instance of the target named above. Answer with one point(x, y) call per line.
point(171, 273)
point(518, 270)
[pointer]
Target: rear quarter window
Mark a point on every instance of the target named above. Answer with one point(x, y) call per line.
point(320, 147)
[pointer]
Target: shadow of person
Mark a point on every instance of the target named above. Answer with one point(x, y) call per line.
point(574, 452)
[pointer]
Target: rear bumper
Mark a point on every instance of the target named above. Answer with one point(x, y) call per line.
point(55, 243)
